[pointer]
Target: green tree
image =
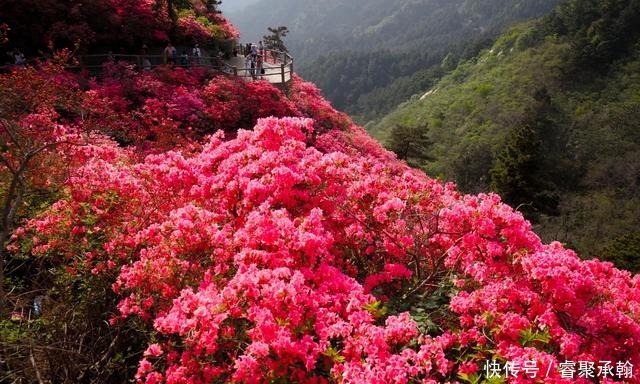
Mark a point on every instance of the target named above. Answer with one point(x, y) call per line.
point(624, 252)
point(523, 172)
point(173, 7)
point(514, 170)
point(450, 62)
point(411, 143)
point(274, 39)
point(602, 30)
point(212, 5)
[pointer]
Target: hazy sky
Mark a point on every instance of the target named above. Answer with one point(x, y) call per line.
point(232, 10)
point(228, 6)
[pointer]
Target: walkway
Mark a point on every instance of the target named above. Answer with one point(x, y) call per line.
point(278, 65)
point(275, 71)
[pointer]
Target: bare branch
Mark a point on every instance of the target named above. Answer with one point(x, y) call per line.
point(4, 123)
point(35, 367)
point(6, 163)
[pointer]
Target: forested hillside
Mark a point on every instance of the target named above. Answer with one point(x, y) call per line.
point(368, 56)
point(548, 117)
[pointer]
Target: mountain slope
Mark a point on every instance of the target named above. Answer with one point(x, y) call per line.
point(299, 248)
point(181, 225)
point(548, 117)
point(353, 50)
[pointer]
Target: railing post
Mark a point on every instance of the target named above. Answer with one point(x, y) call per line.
point(282, 72)
point(235, 71)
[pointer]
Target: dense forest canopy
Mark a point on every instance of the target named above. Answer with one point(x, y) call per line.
point(182, 225)
point(548, 117)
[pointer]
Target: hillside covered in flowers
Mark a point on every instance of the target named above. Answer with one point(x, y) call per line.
point(184, 226)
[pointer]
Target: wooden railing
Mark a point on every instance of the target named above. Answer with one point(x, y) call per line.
point(278, 66)
point(94, 63)
point(273, 54)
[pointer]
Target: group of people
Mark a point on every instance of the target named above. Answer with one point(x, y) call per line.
point(254, 60)
point(171, 57)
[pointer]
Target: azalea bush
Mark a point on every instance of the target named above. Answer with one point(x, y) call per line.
point(43, 139)
point(203, 26)
point(174, 107)
point(117, 25)
point(261, 258)
point(193, 28)
point(198, 228)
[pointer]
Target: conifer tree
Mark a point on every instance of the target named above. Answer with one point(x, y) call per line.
point(274, 40)
point(410, 143)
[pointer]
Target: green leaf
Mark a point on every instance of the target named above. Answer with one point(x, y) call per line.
point(529, 338)
point(474, 378)
point(495, 380)
point(334, 355)
point(377, 309)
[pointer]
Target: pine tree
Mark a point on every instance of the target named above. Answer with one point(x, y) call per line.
point(410, 143)
point(274, 40)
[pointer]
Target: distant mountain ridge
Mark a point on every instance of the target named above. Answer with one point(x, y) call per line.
point(370, 44)
point(340, 25)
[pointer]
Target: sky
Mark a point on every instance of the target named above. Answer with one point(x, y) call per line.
point(229, 6)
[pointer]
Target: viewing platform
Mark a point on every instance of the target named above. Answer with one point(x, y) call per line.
point(278, 66)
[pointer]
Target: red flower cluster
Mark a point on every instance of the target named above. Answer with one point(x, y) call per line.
point(261, 258)
point(172, 106)
point(111, 24)
point(302, 250)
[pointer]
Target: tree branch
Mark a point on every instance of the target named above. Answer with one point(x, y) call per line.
point(6, 126)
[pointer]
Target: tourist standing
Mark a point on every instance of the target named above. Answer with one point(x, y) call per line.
point(146, 63)
point(259, 69)
point(184, 59)
point(247, 65)
point(170, 54)
point(19, 59)
point(196, 53)
point(253, 67)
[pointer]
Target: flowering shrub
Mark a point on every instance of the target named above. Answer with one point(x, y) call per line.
point(230, 31)
point(137, 20)
point(310, 103)
point(261, 258)
point(203, 27)
point(194, 28)
point(117, 25)
point(233, 104)
point(172, 107)
point(41, 123)
point(299, 250)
